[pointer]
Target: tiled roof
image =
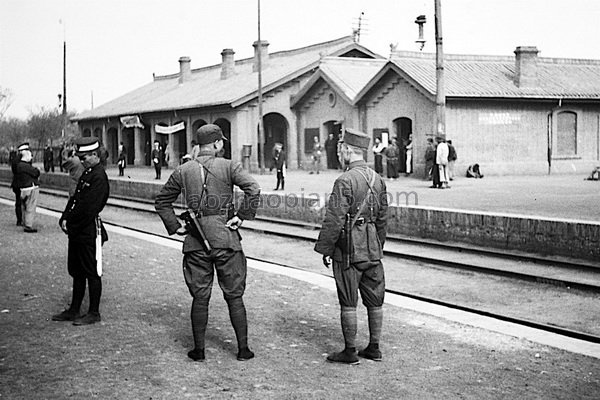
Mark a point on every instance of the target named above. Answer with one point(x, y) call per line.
point(205, 88)
point(493, 77)
point(347, 75)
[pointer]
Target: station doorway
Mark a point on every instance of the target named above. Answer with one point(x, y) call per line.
point(403, 128)
point(225, 126)
point(276, 131)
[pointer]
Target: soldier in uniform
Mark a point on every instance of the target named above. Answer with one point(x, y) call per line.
point(207, 183)
point(358, 204)
point(80, 221)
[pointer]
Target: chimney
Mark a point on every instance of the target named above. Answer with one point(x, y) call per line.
point(260, 48)
point(185, 72)
point(228, 63)
point(526, 66)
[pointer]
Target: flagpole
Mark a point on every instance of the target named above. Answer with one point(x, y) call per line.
point(261, 133)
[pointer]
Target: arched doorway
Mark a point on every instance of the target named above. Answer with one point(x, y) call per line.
point(129, 143)
point(112, 146)
point(276, 131)
point(334, 133)
point(178, 143)
point(225, 126)
point(402, 128)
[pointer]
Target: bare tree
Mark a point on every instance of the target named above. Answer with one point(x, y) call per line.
point(5, 100)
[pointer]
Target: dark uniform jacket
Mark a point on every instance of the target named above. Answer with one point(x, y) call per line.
point(27, 175)
point(349, 191)
point(219, 176)
point(14, 161)
point(156, 155)
point(84, 206)
point(279, 159)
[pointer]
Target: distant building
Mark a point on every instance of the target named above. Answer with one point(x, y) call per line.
point(171, 108)
point(511, 115)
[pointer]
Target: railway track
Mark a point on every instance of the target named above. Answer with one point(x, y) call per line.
point(591, 338)
point(519, 321)
point(525, 267)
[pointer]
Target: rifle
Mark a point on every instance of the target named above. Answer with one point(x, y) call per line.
point(192, 224)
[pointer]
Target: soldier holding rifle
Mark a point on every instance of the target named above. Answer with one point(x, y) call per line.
point(81, 222)
point(212, 239)
point(352, 236)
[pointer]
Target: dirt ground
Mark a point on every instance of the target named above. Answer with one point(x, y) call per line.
point(139, 349)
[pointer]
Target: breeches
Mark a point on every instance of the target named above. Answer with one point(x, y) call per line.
point(198, 271)
point(82, 259)
point(28, 204)
point(367, 277)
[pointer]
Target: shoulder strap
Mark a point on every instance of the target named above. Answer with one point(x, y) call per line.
point(203, 179)
point(364, 202)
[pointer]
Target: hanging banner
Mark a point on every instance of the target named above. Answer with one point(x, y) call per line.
point(132, 121)
point(169, 129)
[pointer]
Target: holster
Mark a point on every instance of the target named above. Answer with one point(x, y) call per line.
point(192, 225)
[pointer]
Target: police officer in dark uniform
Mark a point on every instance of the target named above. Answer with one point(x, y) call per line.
point(207, 186)
point(358, 203)
point(80, 221)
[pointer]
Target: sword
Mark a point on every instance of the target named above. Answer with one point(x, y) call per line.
point(98, 247)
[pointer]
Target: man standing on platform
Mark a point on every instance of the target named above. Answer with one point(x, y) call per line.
point(212, 239)
point(378, 149)
point(81, 222)
point(157, 159)
point(48, 159)
point(352, 235)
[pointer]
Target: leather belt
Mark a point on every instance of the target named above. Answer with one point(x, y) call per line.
point(206, 213)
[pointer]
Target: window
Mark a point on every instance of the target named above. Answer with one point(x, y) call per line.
point(309, 134)
point(566, 133)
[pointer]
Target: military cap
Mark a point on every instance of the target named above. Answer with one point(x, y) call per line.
point(86, 144)
point(355, 138)
point(209, 133)
point(23, 146)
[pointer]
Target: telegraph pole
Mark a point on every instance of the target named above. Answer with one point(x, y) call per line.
point(64, 95)
point(440, 98)
point(261, 132)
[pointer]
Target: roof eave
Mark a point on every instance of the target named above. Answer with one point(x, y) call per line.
point(390, 66)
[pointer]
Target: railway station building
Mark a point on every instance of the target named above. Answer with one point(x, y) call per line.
point(519, 114)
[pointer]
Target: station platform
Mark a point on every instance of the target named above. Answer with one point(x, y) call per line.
point(547, 196)
point(139, 349)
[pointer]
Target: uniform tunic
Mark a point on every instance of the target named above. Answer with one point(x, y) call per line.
point(368, 235)
point(81, 213)
point(212, 201)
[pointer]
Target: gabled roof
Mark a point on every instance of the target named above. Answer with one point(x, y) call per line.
point(205, 88)
point(346, 75)
point(493, 76)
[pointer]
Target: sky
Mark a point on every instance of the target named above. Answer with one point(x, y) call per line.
point(114, 46)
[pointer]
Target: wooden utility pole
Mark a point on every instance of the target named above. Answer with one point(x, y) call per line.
point(440, 98)
point(64, 95)
point(261, 132)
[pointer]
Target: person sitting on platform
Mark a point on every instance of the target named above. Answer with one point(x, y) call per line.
point(594, 175)
point(474, 172)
